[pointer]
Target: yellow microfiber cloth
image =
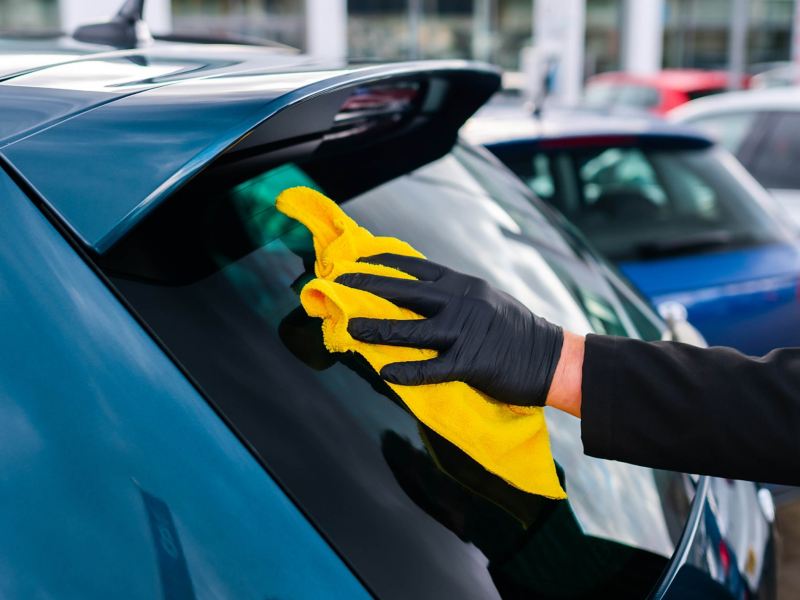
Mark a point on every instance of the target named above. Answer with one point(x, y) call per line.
point(510, 441)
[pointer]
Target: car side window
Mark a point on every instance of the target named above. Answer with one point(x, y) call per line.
point(729, 129)
point(541, 178)
point(621, 180)
point(774, 163)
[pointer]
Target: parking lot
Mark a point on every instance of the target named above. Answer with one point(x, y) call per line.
point(220, 223)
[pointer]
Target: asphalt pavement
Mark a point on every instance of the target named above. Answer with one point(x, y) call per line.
point(788, 524)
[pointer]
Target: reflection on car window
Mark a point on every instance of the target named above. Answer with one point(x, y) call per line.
point(216, 273)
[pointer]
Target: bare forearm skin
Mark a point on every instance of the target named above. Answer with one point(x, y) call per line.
point(565, 389)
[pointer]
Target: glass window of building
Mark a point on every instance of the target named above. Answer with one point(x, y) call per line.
point(490, 30)
point(278, 20)
point(28, 15)
point(603, 26)
point(696, 32)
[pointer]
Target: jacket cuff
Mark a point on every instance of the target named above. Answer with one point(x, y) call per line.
point(598, 394)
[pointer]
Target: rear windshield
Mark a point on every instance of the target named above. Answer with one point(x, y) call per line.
point(636, 203)
point(599, 95)
point(216, 274)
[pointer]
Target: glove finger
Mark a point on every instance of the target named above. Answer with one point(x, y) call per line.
point(420, 268)
point(418, 296)
point(420, 372)
point(414, 333)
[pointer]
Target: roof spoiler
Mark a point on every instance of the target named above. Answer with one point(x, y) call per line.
point(106, 169)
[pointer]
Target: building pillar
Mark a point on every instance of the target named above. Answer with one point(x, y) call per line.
point(482, 11)
point(796, 33)
point(73, 13)
point(559, 31)
point(737, 43)
point(326, 28)
point(642, 36)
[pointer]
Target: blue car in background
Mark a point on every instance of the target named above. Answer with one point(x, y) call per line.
point(676, 213)
point(171, 424)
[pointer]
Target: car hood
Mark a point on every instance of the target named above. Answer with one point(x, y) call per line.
point(663, 276)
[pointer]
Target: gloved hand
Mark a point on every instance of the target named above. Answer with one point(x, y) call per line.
point(484, 337)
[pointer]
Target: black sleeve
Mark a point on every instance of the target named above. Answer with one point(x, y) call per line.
point(711, 411)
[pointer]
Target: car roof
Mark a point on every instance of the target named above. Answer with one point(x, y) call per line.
point(787, 98)
point(104, 135)
point(487, 128)
point(686, 80)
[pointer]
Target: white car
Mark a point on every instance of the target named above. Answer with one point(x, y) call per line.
point(762, 128)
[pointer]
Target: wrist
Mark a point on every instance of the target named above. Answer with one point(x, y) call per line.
point(565, 389)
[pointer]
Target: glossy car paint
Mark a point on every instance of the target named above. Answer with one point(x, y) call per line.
point(153, 127)
point(119, 481)
point(745, 298)
point(146, 386)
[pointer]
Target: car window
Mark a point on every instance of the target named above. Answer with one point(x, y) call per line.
point(216, 273)
point(633, 203)
point(638, 96)
point(541, 179)
point(729, 129)
point(695, 94)
point(618, 94)
point(775, 161)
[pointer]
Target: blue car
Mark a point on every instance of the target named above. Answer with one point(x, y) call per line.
point(675, 212)
point(172, 424)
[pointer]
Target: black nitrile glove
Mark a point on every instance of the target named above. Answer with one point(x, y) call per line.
point(484, 337)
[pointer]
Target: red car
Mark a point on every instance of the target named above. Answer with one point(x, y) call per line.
point(656, 93)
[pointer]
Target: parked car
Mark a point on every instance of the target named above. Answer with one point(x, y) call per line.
point(172, 423)
point(676, 213)
point(657, 94)
point(778, 74)
point(760, 127)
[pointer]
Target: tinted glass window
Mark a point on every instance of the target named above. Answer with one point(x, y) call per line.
point(695, 94)
point(638, 96)
point(217, 271)
point(730, 129)
point(775, 161)
point(635, 203)
point(615, 94)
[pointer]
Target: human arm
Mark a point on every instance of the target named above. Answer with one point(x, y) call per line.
point(660, 404)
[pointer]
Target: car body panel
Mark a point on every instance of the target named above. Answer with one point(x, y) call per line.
point(490, 126)
point(118, 479)
point(159, 130)
point(730, 295)
point(778, 99)
point(713, 269)
point(102, 160)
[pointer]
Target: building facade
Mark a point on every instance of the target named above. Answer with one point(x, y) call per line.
point(688, 33)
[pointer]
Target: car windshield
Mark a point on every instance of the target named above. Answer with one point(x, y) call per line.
point(216, 272)
point(640, 203)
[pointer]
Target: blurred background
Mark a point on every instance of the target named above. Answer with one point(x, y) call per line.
point(705, 224)
point(575, 38)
